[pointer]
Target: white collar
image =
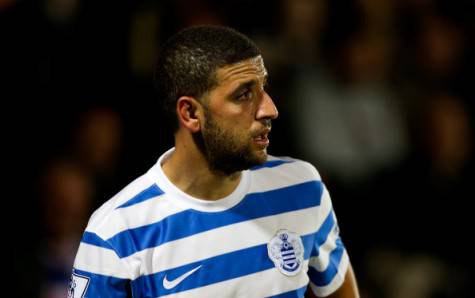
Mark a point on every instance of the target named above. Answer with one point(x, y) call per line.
point(188, 201)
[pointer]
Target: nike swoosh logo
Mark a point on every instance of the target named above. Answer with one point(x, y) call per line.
point(170, 284)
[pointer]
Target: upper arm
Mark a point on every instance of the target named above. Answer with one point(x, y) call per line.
point(348, 289)
point(329, 265)
point(98, 271)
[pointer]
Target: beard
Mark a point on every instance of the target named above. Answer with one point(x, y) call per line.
point(227, 151)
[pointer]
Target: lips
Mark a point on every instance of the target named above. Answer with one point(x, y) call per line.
point(262, 139)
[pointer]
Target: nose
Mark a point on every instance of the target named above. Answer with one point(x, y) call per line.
point(267, 108)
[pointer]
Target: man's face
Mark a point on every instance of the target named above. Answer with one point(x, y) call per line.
point(238, 114)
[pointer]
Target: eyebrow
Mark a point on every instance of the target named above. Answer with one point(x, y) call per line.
point(247, 85)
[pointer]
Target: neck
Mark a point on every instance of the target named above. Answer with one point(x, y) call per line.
point(187, 168)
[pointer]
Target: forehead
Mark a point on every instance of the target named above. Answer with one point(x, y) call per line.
point(252, 68)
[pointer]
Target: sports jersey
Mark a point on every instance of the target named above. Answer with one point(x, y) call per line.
point(275, 235)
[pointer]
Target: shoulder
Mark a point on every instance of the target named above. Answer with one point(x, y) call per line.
point(283, 172)
point(289, 165)
point(111, 215)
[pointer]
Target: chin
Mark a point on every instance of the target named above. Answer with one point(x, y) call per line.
point(261, 156)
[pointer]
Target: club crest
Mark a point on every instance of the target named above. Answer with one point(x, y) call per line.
point(286, 250)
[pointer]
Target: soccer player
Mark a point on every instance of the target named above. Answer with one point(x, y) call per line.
point(216, 216)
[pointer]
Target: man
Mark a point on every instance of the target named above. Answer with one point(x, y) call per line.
point(216, 216)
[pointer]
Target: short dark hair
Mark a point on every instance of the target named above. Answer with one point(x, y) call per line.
point(188, 62)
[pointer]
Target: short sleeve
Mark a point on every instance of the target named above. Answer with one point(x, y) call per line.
point(328, 261)
point(98, 271)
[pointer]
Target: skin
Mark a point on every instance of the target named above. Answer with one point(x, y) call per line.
point(232, 148)
point(235, 116)
point(241, 110)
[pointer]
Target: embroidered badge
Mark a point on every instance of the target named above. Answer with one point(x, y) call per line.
point(77, 286)
point(286, 250)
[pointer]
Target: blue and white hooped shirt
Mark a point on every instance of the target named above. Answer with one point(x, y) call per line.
point(275, 235)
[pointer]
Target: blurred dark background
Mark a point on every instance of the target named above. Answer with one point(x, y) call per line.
point(378, 95)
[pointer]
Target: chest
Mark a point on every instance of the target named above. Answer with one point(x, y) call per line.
point(251, 258)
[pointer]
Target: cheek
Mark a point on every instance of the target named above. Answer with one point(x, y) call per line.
point(238, 117)
point(235, 118)
point(237, 130)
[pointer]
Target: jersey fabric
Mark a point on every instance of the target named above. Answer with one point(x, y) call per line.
point(275, 235)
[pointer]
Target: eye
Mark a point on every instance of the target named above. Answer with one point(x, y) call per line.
point(246, 94)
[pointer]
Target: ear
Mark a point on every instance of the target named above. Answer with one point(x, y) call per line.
point(188, 110)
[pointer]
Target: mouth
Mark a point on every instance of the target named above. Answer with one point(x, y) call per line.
point(262, 139)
